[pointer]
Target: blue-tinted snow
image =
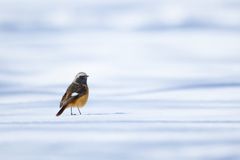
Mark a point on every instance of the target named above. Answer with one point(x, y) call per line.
point(164, 79)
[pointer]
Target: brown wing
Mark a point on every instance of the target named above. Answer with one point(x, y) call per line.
point(63, 99)
point(73, 88)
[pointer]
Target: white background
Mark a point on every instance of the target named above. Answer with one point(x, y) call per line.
point(163, 78)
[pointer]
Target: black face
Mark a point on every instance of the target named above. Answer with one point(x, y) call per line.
point(82, 80)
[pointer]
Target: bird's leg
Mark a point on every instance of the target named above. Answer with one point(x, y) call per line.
point(79, 110)
point(71, 112)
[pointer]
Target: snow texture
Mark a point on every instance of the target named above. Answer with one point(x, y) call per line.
point(163, 78)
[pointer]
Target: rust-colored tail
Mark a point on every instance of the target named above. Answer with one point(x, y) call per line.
point(61, 111)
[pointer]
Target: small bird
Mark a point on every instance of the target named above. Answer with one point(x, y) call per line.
point(76, 94)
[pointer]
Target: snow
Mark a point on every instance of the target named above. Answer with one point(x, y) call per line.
point(163, 79)
point(121, 130)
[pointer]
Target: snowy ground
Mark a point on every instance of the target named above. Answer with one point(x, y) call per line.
point(121, 130)
point(164, 88)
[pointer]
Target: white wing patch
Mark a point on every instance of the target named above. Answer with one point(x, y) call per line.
point(74, 94)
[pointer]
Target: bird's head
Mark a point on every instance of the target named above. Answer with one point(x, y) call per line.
point(81, 78)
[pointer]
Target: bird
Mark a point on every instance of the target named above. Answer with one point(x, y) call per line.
point(76, 94)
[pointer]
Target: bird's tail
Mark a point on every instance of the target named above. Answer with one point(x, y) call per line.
point(61, 111)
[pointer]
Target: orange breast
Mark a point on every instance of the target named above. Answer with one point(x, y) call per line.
point(80, 102)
